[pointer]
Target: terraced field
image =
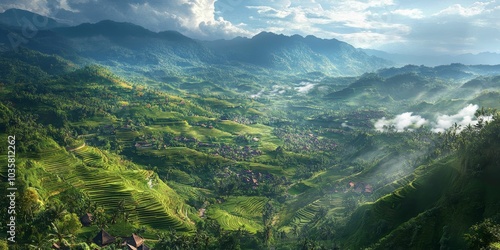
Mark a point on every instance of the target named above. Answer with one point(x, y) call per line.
point(149, 201)
point(239, 211)
point(229, 221)
point(306, 214)
point(189, 192)
point(91, 156)
point(126, 136)
point(151, 212)
point(244, 206)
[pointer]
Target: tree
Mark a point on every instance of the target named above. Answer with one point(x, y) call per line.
point(69, 223)
point(58, 236)
point(4, 245)
point(482, 235)
point(29, 203)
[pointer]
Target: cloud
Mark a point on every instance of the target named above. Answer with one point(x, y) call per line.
point(463, 118)
point(360, 23)
point(37, 6)
point(456, 29)
point(305, 87)
point(401, 122)
point(476, 8)
point(411, 13)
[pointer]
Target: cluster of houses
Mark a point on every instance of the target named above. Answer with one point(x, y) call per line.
point(303, 141)
point(103, 238)
point(236, 152)
point(251, 178)
point(205, 125)
point(360, 187)
point(185, 139)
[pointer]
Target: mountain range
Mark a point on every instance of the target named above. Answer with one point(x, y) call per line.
point(111, 43)
point(435, 60)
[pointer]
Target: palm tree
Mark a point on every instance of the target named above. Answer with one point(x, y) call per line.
point(38, 242)
point(58, 236)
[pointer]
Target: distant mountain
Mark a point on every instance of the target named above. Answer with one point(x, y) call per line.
point(23, 18)
point(129, 48)
point(434, 60)
point(421, 84)
point(126, 45)
point(455, 71)
point(298, 54)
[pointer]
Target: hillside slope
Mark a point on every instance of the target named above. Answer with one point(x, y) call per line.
point(441, 202)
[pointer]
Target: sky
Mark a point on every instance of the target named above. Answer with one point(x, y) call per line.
point(399, 26)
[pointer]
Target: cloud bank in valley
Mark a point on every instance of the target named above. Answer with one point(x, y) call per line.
point(401, 122)
point(408, 121)
point(464, 117)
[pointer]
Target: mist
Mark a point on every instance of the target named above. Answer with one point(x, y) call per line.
point(402, 122)
point(442, 122)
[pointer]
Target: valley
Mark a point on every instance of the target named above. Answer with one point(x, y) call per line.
point(270, 142)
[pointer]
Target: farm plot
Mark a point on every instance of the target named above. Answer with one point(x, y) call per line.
point(229, 221)
point(306, 214)
point(91, 156)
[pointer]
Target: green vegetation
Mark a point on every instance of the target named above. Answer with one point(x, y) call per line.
point(236, 159)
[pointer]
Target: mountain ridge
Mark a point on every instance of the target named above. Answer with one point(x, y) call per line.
point(23, 18)
point(171, 49)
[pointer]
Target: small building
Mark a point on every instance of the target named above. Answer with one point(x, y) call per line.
point(103, 238)
point(368, 188)
point(135, 242)
point(87, 219)
point(143, 144)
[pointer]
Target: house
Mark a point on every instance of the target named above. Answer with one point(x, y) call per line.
point(143, 144)
point(103, 238)
point(255, 182)
point(135, 242)
point(87, 219)
point(368, 188)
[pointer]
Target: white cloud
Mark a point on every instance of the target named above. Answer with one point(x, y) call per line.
point(305, 87)
point(411, 13)
point(37, 6)
point(195, 18)
point(409, 121)
point(473, 10)
point(401, 122)
point(360, 23)
point(463, 118)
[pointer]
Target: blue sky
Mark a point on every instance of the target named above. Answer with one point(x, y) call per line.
point(415, 27)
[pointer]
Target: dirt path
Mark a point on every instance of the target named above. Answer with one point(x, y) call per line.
point(77, 148)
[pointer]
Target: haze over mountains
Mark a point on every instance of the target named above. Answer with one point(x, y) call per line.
point(117, 41)
point(265, 50)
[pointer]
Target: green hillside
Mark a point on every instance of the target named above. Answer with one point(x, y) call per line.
point(397, 159)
